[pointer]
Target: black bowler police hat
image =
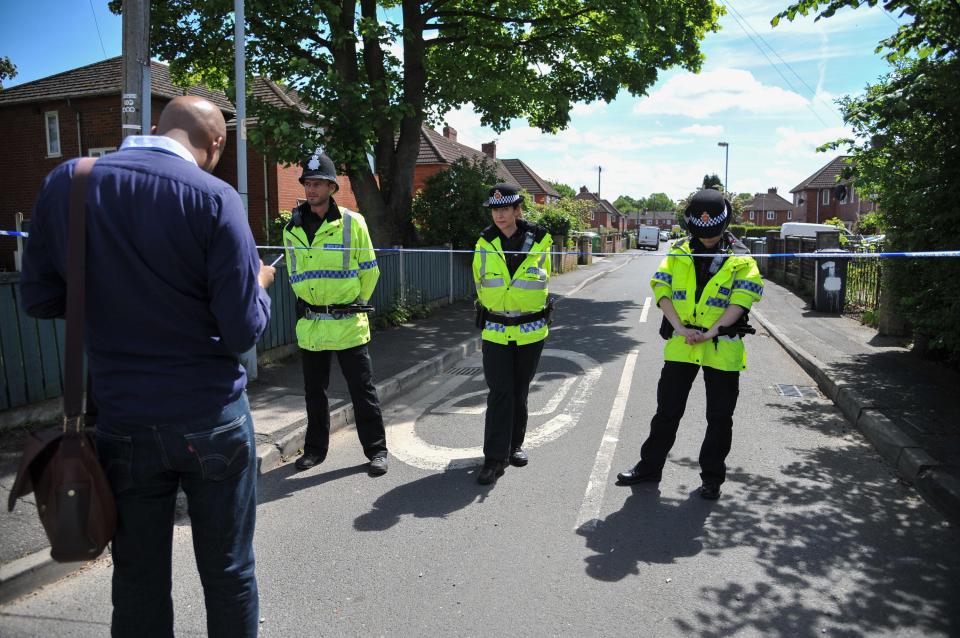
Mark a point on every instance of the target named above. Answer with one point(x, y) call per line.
point(319, 166)
point(503, 194)
point(707, 214)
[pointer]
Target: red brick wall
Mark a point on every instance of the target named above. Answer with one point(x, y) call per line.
point(760, 218)
point(423, 172)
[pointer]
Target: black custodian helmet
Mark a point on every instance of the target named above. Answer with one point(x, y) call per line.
point(319, 166)
point(707, 214)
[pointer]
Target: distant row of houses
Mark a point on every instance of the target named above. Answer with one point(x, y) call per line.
point(77, 113)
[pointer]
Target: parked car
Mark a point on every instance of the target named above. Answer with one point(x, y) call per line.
point(809, 231)
point(664, 235)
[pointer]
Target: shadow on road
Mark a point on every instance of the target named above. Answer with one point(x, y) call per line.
point(433, 496)
point(573, 315)
point(834, 525)
point(285, 481)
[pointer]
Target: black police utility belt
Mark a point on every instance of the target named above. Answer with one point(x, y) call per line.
point(483, 315)
point(337, 311)
point(740, 329)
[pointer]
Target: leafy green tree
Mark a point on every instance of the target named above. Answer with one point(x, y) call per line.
point(712, 180)
point(450, 208)
point(659, 201)
point(627, 204)
point(371, 73)
point(564, 190)
point(906, 154)
point(8, 70)
point(560, 218)
point(870, 224)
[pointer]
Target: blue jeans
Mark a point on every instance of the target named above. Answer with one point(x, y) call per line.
point(214, 460)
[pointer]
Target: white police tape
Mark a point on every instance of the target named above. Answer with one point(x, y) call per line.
point(827, 254)
point(818, 255)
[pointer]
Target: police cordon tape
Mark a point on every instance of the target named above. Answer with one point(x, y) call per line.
point(827, 254)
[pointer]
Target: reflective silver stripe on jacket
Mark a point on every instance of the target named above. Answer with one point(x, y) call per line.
point(288, 243)
point(346, 240)
point(529, 285)
point(487, 283)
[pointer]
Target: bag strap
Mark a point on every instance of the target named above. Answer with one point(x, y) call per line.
point(76, 297)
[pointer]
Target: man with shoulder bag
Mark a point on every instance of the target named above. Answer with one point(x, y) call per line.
point(175, 292)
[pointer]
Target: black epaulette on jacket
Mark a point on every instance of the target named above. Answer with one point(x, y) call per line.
point(539, 232)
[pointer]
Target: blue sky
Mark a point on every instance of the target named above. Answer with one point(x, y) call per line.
point(773, 115)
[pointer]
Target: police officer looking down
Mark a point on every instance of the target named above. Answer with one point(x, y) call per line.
point(511, 268)
point(333, 272)
point(704, 302)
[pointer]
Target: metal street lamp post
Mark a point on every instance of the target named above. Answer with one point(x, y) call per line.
point(726, 165)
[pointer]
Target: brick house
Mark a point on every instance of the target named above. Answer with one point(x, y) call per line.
point(819, 197)
point(438, 152)
point(662, 219)
point(604, 214)
point(77, 113)
point(769, 209)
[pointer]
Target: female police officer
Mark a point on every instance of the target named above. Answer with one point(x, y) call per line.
point(511, 267)
point(703, 300)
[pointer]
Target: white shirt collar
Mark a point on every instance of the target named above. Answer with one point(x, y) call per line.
point(161, 142)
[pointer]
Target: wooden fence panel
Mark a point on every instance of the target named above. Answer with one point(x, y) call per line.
point(10, 348)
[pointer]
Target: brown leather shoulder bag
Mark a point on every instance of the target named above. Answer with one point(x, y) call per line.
point(60, 465)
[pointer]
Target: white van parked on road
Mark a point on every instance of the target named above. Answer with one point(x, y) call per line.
point(648, 237)
point(800, 229)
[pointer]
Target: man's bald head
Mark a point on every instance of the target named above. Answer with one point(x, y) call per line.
point(198, 125)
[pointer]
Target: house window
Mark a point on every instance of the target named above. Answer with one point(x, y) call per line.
point(751, 215)
point(789, 215)
point(825, 195)
point(771, 215)
point(100, 152)
point(51, 121)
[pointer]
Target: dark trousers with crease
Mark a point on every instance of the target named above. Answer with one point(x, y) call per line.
point(676, 379)
point(358, 371)
point(508, 371)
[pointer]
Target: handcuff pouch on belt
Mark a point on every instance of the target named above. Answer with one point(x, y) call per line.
point(482, 315)
point(337, 311)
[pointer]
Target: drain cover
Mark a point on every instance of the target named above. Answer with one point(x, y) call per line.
point(787, 390)
point(465, 371)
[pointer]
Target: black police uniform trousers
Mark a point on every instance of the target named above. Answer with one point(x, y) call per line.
point(676, 379)
point(508, 371)
point(358, 371)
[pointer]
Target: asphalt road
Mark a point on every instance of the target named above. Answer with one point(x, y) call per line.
point(813, 535)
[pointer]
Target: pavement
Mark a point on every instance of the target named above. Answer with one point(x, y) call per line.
point(903, 405)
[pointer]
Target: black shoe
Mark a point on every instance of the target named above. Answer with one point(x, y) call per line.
point(637, 475)
point(710, 491)
point(378, 465)
point(489, 473)
point(518, 457)
point(309, 460)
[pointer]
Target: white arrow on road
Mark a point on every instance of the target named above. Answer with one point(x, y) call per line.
point(406, 444)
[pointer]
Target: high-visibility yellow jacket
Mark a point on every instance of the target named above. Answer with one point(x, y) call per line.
point(737, 282)
point(512, 294)
point(340, 267)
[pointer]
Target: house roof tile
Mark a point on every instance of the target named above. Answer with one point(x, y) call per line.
point(826, 177)
point(104, 78)
point(528, 179)
point(768, 201)
point(437, 149)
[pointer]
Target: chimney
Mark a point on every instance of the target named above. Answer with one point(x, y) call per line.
point(583, 189)
point(772, 191)
point(489, 149)
point(450, 133)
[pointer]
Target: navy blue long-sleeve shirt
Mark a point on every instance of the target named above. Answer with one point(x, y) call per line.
point(172, 291)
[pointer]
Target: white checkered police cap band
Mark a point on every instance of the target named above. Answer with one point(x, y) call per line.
point(503, 200)
point(711, 221)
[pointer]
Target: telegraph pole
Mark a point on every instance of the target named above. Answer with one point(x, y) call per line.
point(135, 96)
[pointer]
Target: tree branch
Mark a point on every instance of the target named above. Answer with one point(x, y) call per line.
point(508, 20)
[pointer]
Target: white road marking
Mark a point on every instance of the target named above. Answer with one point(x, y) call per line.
point(646, 309)
point(452, 406)
point(597, 485)
point(407, 446)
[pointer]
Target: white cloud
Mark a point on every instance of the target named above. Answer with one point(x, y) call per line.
point(590, 108)
point(713, 92)
point(705, 131)
point(795, 145)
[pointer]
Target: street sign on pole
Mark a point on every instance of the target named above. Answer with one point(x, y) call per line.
point(136, 56)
